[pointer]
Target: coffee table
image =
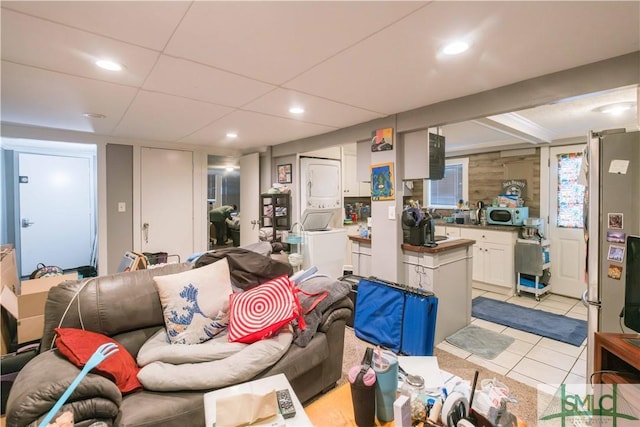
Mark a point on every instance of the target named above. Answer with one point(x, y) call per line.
point(261, 386)
point(336, 409)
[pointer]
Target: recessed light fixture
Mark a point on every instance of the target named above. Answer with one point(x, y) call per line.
point(229, 168)
point(94, 115)
point(455, 48)
point(232, 135)
point(108, 65)
point(296, 110)
point(615, 109)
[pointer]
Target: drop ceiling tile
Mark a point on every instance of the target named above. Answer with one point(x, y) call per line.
point(165, 117)
point(275, 41)
point(254, 130)
point(43, 44)
point(196, 81)
point(317, 110)
point(143, 23)
point(399, 68)
point(31, 96)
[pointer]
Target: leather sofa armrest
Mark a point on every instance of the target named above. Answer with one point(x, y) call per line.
point(42, 382)
point(340, 309)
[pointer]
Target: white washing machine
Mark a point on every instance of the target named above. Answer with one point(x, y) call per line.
point(323, 247)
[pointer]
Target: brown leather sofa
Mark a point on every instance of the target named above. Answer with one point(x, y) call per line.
point(126, 307)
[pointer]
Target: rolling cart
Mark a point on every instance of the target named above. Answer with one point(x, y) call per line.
point(532, 267)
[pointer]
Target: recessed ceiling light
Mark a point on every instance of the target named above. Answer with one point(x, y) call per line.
point(108, 65)
point(229, 168)
point(455, 48)
point(615, 109)
point(232, 135)
point(296, 110)
point(94, 115)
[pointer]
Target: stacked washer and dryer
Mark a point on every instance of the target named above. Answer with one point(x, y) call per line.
point(320, 200)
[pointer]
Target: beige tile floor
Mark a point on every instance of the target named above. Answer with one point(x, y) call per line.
point(532, 359)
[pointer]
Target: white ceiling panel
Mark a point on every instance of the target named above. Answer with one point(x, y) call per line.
point(579, 116)
point(44, 98)
point(156, 116)
point(469, 135)
point(46, 45)
point(317, 110)
point(254, 130)
point(143, 23)
point(195, 70)
point(197, 81)
point(400, 68)
point(275, 41)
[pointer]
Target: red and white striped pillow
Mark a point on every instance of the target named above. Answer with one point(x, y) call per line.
point(261, 311)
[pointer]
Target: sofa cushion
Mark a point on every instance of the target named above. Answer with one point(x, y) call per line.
point(243, 365)
point(192, 302)
point(78, 346)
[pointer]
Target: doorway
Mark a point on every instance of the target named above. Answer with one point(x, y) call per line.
point(50, 199)
point(566, 221)
point(223, 188)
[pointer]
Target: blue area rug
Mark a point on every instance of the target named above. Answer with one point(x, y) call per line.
point(550, 325)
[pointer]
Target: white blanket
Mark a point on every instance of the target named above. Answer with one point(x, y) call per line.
point(213, 364)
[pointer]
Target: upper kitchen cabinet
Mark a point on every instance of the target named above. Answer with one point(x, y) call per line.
point(363, 153)
point(353, 184)
point(423, 154)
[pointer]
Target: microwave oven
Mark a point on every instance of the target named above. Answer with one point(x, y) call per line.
point(506, 216)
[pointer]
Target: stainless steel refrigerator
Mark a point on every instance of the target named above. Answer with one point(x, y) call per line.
point(613, 213)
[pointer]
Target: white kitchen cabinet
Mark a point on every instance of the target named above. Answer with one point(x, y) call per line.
point(352, 230)
point(351, 186)
point(423, 154)
point(361, 258)
point(363, 174)
point(493, 256)
point(447, 230)
point(447, 274)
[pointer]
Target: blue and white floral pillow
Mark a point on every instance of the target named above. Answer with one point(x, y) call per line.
point(195, 302)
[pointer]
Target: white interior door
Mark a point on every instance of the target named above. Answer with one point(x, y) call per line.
point(166, 202)
point(566, 228)
point(56, 211)
point(249, 200)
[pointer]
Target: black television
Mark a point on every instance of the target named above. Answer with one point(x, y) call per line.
point(632, 285)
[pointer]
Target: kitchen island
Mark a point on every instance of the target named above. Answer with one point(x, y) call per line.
point(445, 270)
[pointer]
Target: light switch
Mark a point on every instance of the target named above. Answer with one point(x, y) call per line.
point(392, 213)
point(122, 206)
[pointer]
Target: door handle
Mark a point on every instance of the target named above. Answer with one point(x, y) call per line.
point(145, 232)
point(26, 223)
point(587, 302)
point(254, 222)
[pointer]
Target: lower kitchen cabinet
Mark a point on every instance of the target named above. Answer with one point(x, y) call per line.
point(361, 258)
point(493, 256)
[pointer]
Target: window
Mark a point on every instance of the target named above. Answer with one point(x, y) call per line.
point(570, 194)
point(446, 192)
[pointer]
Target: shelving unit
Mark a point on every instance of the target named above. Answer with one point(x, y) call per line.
point(532, 258)
point(275, 212)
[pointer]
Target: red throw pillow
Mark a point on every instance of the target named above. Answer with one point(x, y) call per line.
point(78, 346)
point(261, 311)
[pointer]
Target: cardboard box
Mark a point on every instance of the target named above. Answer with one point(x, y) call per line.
point(8, 269)
point(28, 307)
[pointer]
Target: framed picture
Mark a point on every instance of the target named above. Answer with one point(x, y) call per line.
point(284, 174)
point(616, 253)
point(616, 236)
point(382, 139)
point(382, 181)
point(615, 221)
